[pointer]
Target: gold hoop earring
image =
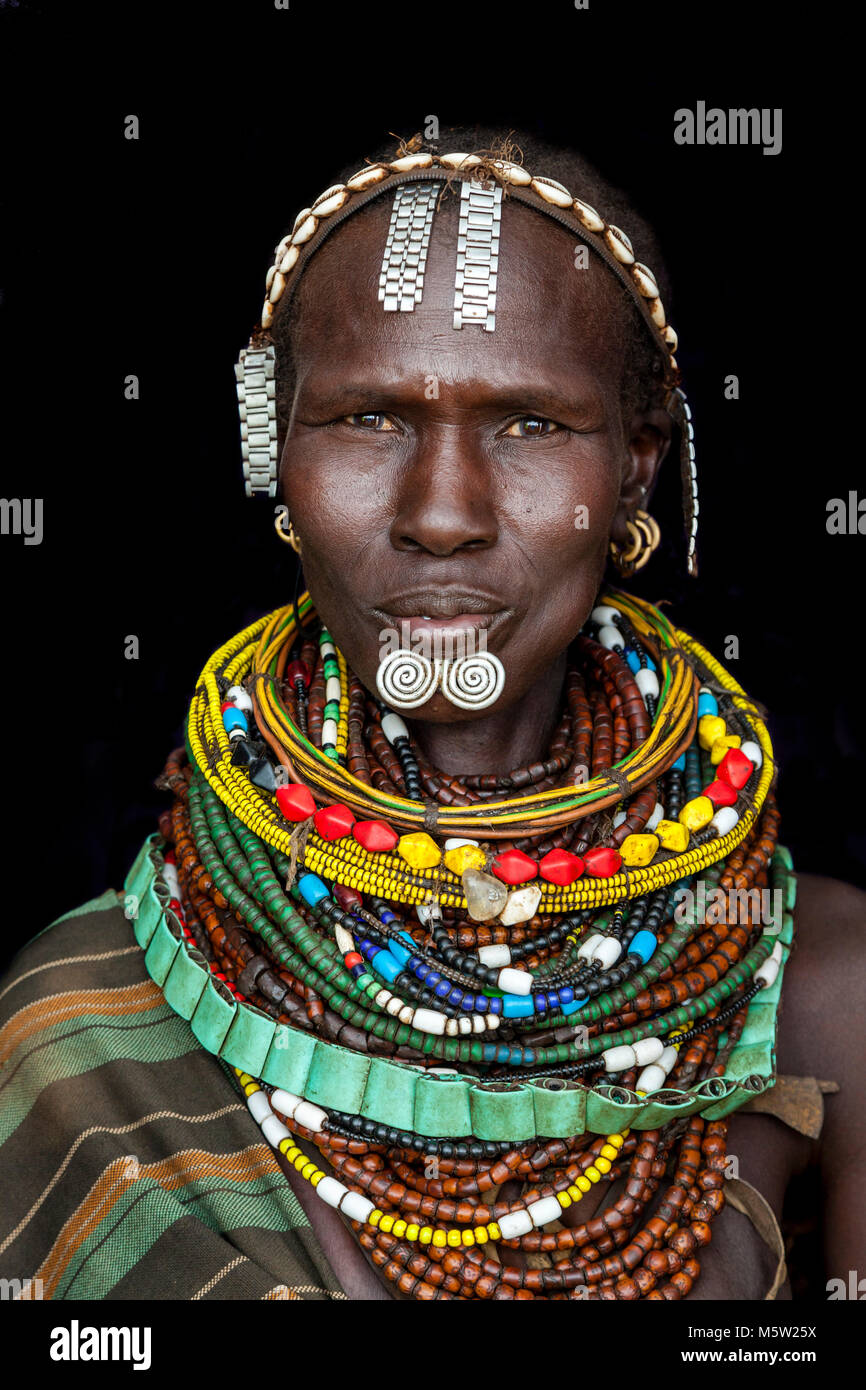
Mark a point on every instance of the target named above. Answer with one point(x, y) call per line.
point(288, 536)
point(644, 536)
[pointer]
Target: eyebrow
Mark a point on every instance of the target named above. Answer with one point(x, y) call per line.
point(394, 394)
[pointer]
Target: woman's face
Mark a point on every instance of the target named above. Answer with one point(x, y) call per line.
point(451, 478)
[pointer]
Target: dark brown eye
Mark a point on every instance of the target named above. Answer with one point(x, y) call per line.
point(370, 420)
point(531, 427)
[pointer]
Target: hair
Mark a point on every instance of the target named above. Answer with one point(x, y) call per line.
point(642, 365)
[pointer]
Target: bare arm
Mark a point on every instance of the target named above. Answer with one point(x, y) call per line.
point(823, 1034)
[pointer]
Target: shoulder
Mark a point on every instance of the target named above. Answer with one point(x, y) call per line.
point(84, 946)
point(822, 1020)
point(828, 910)
point(67, 987)
point(828, 958)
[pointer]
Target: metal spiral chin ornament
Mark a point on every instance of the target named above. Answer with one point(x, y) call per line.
point(406, 679)
point(473, 682)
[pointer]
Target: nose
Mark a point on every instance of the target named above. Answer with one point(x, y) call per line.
point(445, 501)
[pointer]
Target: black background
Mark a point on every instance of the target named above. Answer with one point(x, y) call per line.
point(149, 256)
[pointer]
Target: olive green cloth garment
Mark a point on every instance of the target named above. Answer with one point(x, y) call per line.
point(130, 1167)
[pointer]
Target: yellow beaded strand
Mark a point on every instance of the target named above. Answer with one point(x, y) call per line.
point(386, 875)
point(442, 1236)
point(343, 722)
point(339, 783)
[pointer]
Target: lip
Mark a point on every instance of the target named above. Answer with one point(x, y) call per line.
point(460, 622)
point(439, 606)
point(443, 614)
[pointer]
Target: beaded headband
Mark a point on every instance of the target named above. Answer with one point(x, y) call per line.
point(254, 371)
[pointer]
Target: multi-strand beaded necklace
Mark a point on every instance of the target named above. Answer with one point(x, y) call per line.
point(443, 985)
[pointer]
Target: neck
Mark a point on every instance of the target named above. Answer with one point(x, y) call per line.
point(505, 739)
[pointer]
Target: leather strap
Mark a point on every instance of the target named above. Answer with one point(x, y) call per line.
point(798, 1101)
point(753, 1204)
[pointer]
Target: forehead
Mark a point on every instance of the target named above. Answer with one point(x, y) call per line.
point(556, 311)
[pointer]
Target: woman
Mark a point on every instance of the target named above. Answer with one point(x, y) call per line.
point(463, 385)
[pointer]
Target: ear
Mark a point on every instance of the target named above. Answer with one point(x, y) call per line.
point(648, 439)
